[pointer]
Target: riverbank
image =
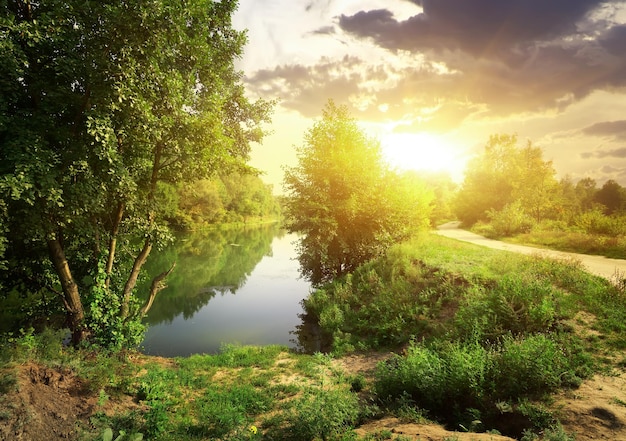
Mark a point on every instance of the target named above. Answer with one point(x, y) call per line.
point(437, 339)
point(40, 402)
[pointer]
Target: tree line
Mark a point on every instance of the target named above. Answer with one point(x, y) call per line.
point(513, 189)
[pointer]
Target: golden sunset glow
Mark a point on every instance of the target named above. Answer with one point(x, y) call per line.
point(447, 73)
point(422, 151)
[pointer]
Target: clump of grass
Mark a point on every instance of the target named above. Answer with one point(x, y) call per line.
point(452, 379)
point(321, 414)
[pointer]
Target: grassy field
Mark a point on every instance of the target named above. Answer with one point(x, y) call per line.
point(474, 339)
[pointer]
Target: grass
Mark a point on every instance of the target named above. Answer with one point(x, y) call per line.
point(482, 338)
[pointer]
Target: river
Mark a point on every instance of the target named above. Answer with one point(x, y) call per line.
point(232, 286)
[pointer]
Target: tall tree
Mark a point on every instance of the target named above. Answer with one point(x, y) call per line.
point(99, 103)
point(505, 173)
point(349, 206)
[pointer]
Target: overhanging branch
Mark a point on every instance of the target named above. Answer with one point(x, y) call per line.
point(158, 284)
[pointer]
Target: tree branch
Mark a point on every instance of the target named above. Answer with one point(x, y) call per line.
point(132, 279)
point(157, 286)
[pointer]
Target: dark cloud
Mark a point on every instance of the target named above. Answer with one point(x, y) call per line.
point(500, 58)
point(615, 129)
point(514, 55)
point(479, 27)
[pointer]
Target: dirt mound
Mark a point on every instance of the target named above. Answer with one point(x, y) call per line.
point(45, 404)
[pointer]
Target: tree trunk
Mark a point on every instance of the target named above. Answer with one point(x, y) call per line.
point(132, 279)
point(117, 220)
point(71, 296)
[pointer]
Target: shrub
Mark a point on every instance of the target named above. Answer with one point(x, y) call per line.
point(436, 378)
point(511, 220)
point(513, 305)
point(596, 222)
point(321, 413)
point(526, 367)
point(452, 379)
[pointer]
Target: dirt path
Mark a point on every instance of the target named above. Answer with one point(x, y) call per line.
point(598, 265)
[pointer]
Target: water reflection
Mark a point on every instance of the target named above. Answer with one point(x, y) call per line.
point(234, 286)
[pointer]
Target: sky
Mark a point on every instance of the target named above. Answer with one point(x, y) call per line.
point(433, 79)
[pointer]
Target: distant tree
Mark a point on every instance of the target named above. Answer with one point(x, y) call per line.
point(103, 105)
point(505, 173)
point(586, 190)
point(349, 206)
point(444, 189)
point(534, 183)
point(612, 196)
point(567, 204)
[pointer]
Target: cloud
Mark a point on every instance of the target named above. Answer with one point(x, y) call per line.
point(480, 27)
point(601, 154)
point(307, 88)
point(514, 55)
point(614, 129)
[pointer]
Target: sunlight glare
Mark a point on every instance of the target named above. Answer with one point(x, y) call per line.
point(422, 151)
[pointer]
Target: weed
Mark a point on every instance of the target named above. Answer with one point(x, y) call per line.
point(321, 413)
point(618, 401)
point(107, 435)
point(8, 382)
point(102, 398)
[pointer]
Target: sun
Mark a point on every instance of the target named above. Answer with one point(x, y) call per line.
point(422, 151)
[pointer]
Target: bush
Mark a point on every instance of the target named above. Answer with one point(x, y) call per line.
point(596, 222)
point(527, 367)
point(514, 305)
point(321, 413)
point(436, 378)
point(451, 379)
point(511, 220)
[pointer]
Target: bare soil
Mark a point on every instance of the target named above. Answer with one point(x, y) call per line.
point(52, 404)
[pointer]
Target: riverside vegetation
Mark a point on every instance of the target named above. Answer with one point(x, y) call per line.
point(477, 340)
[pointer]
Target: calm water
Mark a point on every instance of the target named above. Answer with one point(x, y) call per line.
point(236, 286)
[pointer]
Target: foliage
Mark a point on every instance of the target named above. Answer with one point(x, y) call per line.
point(99, 114)
point(107, 435)
point(516, 304)
point(505, 173)
point(452, 379)
point(321, 413)
point(228, 198)
point(611, 196)
point(382, 304)
point(510, 220)
point(344, 200)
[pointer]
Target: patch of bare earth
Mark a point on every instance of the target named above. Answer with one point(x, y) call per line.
point(596, 410)
point(48, 404)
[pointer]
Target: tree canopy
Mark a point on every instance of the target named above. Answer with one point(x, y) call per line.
point(503, 174)
point(100, 103)
point(345, 201)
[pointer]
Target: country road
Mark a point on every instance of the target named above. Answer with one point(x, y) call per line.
point(598, 265)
